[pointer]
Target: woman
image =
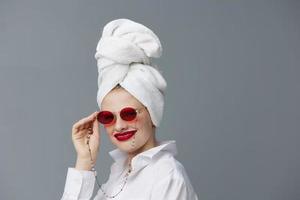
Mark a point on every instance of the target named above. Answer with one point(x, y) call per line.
point(131, 99)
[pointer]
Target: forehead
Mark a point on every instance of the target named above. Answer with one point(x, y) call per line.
point(117, 99)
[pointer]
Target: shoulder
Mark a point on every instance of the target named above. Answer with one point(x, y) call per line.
point(171, 180)
point(166, 165)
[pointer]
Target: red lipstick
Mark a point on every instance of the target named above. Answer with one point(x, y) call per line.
point(124, 136)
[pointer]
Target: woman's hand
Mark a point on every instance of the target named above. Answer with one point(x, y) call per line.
point(81, 130)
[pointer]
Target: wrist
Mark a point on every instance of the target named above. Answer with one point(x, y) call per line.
point(84, 164)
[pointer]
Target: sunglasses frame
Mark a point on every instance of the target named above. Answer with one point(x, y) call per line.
point(137, 110)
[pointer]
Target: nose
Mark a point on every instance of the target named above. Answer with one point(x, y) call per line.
point(120, 124)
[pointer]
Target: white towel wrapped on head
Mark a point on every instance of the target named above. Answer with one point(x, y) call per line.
point(123, 57)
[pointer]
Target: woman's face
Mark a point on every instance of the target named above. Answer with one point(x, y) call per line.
point(144, 137)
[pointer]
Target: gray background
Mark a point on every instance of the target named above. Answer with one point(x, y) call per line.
point(232, 102)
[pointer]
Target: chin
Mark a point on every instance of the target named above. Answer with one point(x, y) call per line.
point(126, 147)
point(123, 146)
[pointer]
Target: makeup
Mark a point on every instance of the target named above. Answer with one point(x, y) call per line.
point(124, 136)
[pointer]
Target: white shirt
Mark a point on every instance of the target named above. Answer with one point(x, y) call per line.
point(155, 175)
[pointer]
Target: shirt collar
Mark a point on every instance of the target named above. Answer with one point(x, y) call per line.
point(142, 159)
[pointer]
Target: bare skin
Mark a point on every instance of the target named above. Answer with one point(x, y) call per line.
point(80, 131)
point(89, 126)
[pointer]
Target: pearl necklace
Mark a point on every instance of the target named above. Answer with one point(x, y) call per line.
point(95, 173)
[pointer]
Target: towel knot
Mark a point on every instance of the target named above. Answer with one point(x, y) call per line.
point(125, 42)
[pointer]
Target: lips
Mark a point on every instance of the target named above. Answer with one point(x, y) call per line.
point(124, 136)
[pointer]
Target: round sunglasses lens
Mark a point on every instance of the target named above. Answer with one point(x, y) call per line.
point(128, 114)
point(105, 117)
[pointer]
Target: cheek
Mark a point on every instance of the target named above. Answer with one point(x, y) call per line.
point(135, 121)
point(143, 123)
point(139, 123)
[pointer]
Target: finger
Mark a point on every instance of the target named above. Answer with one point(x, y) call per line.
point(85, 122)
point(90, 123)
point(90, 119)
point(78, 135)
point(93, 122)
point(81, 133)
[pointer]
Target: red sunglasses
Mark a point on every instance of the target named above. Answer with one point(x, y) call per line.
point(127, 114)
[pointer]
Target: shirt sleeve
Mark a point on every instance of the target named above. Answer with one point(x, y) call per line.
point(79, 185)
point(173, 187)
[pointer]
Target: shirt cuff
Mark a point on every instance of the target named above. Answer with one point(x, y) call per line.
point(79, 184)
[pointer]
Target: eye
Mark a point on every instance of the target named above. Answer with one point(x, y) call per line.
point(108, 117)
point(128, 113)
point(105, 117)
